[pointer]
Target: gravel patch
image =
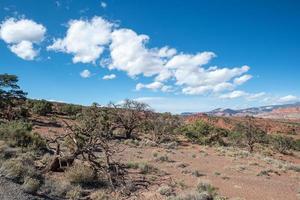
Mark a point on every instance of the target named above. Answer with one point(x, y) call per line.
point(13, 191)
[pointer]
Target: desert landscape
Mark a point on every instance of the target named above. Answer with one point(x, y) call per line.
point(52, 150)
point(149, 100)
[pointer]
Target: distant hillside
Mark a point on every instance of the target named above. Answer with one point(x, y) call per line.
point(286, 111)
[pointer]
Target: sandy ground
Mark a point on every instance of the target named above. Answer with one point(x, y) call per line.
point(234, 172)
point(12, 191)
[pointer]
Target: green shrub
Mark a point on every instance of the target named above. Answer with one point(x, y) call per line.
point(249, 134)
point(296, 145)
point(80, 174)
point(42, 107)
point(165, 190)
point(282, 143)
point(18, 134)
point(70, 109)
point(203, 187)
point(204, 133)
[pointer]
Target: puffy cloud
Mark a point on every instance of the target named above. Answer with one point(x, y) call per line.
point(190, 61)
point(238, 94)
point(103, 4)
point(242, 79)
point(24, 50)
point(234, 95)
point(85, 73)
point(16, 31)
point(128, 53)
point(288, 99)
point(207, 88)
point(85, 39)
point(198, 80)
point(153, 86)
point(167, 88)
point(166, 52)
point(252, 97)
point(109, 77)
point(21, 35)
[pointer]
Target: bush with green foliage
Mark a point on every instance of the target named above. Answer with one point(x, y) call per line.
point(296, 145)
point(42, 107)
point(249, 134)
point(282, 143)
point(163, 126)
point(19, 134)
point(11, 97)
point(69, 109)
point(204, 133)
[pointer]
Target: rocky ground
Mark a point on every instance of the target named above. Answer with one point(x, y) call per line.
point(12, 191)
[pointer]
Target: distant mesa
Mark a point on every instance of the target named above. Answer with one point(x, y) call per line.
point(285, 111)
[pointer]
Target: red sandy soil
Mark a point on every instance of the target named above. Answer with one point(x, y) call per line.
point(235, 176)
point(233, 171)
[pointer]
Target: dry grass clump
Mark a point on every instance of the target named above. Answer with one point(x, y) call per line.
point(182, 165)
point(79, 174)
point(205, 187)
point(100, 195)
point(204, 191)
point(75, 193)
point(197, 173)
point(191, 196)
point(144, 167)
point(132, 143)
point(56, 188)
point(165, 190)
point(17, 169)
point(293, 167)
point(31, 185)
point(163, 158)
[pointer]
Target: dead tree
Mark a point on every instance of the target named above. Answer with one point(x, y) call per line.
point(87, 140)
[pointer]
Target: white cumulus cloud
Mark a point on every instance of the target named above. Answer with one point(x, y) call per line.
point(21, 35)
point(129, 54)
point(288, 99)
point(85, 39)
point(85, 73)
point(127, 51)
point(243, 79)
point(24, 50)
point(109, 77)
point(153, 86)
point(238, 94)
point(234, 94)
point(103, 4)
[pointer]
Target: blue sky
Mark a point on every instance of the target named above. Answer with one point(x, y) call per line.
point(175, 55)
